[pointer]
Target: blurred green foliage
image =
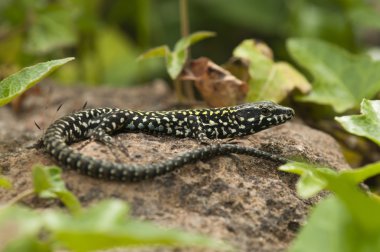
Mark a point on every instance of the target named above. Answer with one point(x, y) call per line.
point(106, 36)
point(269, 80)
point(48, 183)
point(176, 59)
point(347, 220)
point(104, 225)
point(367, 124)
point(38, 30)
point(340, 79)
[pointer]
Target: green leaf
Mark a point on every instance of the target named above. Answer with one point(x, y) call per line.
point(269, 80)
point(309, 185)
point(175, 63)
point(186, 42)
point(160, 51)
point(21, 81)
point(5, 183)
point(341, 79)
point(310, 182)
point(176, 60)
point(331, 228)
point(367, 124)
point(48, 183)
point(347, 222)
point(102, 226)
point(365, 172)
point(19, 229)
point(106, 226)
point(362, 208)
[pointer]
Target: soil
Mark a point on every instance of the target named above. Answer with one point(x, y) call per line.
point(243, 200)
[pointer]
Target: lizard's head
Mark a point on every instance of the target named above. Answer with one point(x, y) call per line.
point(253, 117)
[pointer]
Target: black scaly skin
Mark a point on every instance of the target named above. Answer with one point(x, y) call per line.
point(202, 124)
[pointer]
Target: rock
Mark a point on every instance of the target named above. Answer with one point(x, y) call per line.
point(243, 200)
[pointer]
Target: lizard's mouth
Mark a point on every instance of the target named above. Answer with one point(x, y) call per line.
point(285, 114)
point(290, 113)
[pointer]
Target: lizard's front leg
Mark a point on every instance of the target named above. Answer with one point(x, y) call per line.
point(102, 132)
point(109, 124)
point(197, 128)
point(197, 131)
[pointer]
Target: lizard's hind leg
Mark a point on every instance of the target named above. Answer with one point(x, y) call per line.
point(83, 144)
point(122, 147)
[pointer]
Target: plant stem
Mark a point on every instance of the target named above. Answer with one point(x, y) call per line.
point(20, 196)
point(185, 27)
point(184, 19)
point(183, 11)
point(178, 90)
point(143, 15)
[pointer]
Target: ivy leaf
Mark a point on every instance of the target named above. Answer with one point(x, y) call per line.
point(331, 228)
point(48, 183)
point(269, 80)
point(361, 207)
point(160, 51)
point(341, 79)
point(367, 124)
point(106, 226)
point(16, 84)
point(310, 182)
point(19, 229)
point(365, 172)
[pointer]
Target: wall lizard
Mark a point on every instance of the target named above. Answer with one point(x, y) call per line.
point(202, 124)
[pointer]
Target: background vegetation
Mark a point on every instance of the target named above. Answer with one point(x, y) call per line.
point(107, 36)
point(333, 50)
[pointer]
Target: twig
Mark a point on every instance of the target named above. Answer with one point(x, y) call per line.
point(20, 197)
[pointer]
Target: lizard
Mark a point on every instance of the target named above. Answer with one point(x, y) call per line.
point(204, 125)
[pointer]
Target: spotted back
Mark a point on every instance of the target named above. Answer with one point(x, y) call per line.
point(230, 121)
point(213, 123)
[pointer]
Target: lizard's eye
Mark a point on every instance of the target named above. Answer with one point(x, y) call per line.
point(266, 112)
